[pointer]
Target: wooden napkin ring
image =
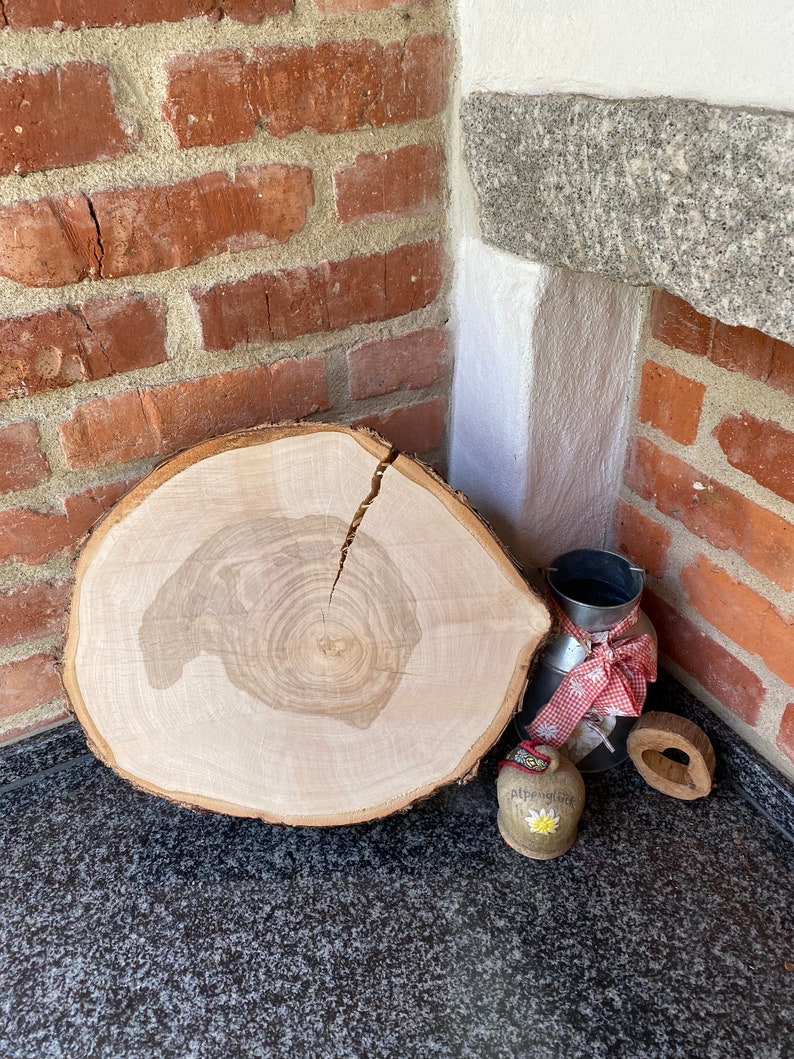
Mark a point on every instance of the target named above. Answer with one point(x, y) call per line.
point(652, 735)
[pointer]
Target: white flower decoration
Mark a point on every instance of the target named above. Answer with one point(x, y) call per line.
point(542, 821)
point(546, 731)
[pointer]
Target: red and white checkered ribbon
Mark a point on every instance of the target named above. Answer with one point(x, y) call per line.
point(611, 680)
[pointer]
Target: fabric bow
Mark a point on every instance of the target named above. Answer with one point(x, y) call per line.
point(611, 680)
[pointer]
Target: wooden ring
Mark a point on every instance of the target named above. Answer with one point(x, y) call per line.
point(653, 735)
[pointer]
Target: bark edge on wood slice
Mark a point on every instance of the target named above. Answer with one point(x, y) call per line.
point(296, 623)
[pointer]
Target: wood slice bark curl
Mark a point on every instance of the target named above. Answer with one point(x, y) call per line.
point(296, 623)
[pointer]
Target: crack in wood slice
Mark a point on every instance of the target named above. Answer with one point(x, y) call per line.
point(238, 643)
point(377, 480)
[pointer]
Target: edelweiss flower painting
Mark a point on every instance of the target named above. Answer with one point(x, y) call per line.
point(547, 732)
point(542, 821)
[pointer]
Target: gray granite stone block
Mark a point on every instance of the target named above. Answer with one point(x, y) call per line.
point(693, 198)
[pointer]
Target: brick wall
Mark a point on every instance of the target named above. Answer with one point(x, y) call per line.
point(213, 214)
point(708, 508)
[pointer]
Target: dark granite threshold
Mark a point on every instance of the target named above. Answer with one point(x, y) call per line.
point(738, 765)
point(43, 754)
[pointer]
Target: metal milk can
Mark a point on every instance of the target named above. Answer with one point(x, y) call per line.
point(594, 592)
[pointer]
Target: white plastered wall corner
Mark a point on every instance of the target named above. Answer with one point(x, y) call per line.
point(544, 357)
point(543, 370)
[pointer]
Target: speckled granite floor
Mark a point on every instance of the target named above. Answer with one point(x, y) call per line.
point(133, 929)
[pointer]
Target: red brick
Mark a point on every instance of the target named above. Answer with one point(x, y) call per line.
point(644, 540)
point(334, 8)
point(219, 98)
point(35, 536)
point(413, 277)
point(339, 85)
point(296, 304)
point(742, 615)
point(22, 463)
point(99, 338)
point(28, 683)
point(406, 182)
point(418, 428)
point(670, 402)
point(154, 422)
point(58, 117)
point(276, 306)
point(83, 510)
point(785, 735)
point(77, 14)
point(781, 372)
point(742, 349)
point(714, 668)
point(760, 448)
point(32, 611)
point(380, 286)
point(191, 412)
point(151, 229)
point(420, 76)
point(712, 511)
point(252, 12)
point(331, 87)
point(408, 362)
point(754, 354)
point(677, 324)
point(48, 242)
point(207, 99)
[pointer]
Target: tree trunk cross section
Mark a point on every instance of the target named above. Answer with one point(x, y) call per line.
point(238, 643)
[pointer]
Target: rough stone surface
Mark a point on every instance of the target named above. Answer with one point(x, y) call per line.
point(676, 194)
point(419, 936)
point(59, 748)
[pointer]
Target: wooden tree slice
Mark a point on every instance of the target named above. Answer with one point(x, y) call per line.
point(299, 624)
point(655, 734)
